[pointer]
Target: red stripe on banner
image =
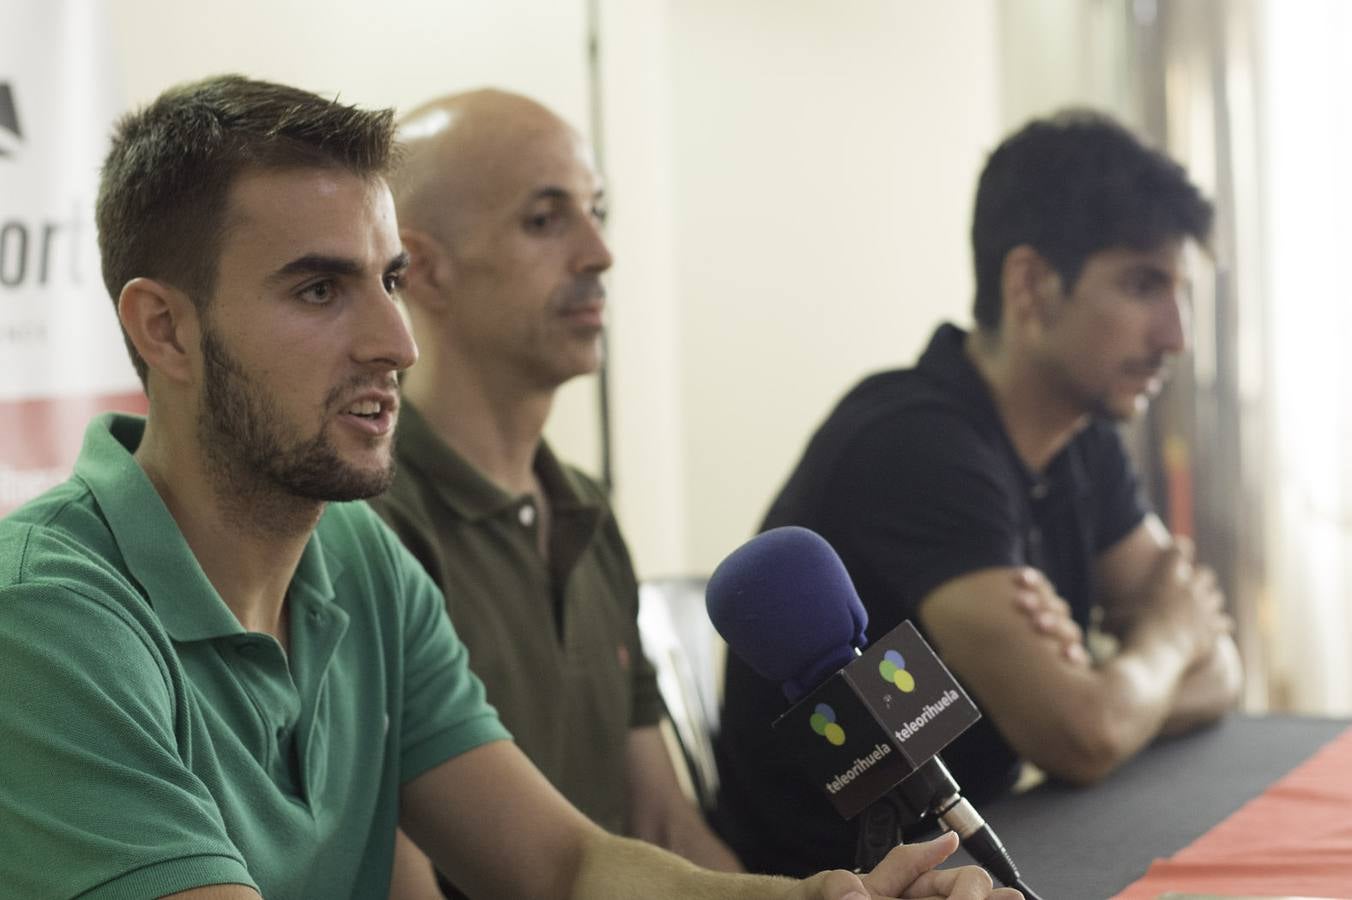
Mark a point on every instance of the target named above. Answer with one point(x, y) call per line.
point(42, 438)
point(1294, 838)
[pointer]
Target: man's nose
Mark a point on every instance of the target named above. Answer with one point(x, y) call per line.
point(383, 336)
point(1171, 326)
point(593, 254)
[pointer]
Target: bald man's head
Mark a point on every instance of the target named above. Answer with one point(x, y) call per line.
point(500, 209)
point(462, 150)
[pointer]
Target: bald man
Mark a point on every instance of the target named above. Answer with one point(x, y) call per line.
point(500, 209)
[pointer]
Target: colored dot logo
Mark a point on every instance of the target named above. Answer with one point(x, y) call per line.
point(893, 669)
point(823, 722)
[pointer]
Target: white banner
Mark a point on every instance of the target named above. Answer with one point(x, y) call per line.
point(61, 354)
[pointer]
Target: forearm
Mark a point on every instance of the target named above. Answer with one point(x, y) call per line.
point(1074, 720)
point(1137, 688)
point(1176, 666)
point(682, 830)
point(1152, 687)
point(660, 813)
point(1208, 690)
point(474, 812)
point(412, 877)
point(621, 868)
point(614, 867)
point(1104, 714)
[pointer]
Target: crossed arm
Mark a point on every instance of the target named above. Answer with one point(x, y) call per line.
point(1177, 666)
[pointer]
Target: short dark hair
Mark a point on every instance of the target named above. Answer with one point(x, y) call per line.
point(1070, 186)
point(166, 181)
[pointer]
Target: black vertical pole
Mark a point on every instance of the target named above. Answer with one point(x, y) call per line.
point(598, 148)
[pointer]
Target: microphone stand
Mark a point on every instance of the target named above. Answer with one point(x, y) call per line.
point(879, 831)
point(931, 793)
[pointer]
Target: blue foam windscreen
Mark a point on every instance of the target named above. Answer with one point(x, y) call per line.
point(785, 604)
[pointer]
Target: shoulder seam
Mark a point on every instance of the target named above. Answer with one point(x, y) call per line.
point(113, 609)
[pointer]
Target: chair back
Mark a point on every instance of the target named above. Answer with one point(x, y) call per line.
point(688, 655)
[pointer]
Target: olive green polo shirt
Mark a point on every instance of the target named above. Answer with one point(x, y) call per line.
point(556, 643)
point(149, 744)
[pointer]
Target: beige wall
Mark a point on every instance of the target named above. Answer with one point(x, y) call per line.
point(1058, 53)
point(804, 175)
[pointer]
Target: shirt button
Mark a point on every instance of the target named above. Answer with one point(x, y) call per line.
point(1039, 490)
point(246, 648)
point(526, 515)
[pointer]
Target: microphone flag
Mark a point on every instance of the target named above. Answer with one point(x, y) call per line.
point(875, 721)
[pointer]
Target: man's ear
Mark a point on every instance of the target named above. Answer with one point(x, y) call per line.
point(1030, 288)
point(162, 324)
point(429, 270)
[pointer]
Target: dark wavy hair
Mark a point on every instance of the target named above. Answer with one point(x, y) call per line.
point(1070, 186)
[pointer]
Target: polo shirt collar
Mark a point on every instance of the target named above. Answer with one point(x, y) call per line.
point(464, 489)
point(153, 548)
point(317, 570)
point(945, 361)
point(457, 483)
point(560, 485)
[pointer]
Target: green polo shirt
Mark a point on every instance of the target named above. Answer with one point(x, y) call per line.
point(149, 744)
point(555, 643)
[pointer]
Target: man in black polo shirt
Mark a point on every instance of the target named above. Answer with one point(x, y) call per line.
point(990, 480)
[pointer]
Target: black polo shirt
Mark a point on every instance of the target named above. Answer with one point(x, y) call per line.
point(914, 481)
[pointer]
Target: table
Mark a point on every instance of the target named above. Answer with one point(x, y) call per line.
point(1087, 843)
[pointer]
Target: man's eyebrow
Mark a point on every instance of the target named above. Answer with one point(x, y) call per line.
point(1139, 266)
point(319, 264)
point(550, 192)
point(316, 264)
point(557, 192)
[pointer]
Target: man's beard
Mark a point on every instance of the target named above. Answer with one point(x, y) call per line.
point(249, 448)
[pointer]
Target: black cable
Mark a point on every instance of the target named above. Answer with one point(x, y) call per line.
point(927, 794)
point(1028, 893)
point(930, 791)
point(984, 846)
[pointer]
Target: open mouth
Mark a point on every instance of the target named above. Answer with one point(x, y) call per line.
point(1150, 376)
point(366, 409)
point(591, 315)
point(371, 409)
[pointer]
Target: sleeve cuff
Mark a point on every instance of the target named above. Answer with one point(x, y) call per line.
point(647, 707)
point(172, 876)
point(448, 744)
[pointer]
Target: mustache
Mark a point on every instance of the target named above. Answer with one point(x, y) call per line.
point(583, 290)
point(1150, 366)
point(359, 384)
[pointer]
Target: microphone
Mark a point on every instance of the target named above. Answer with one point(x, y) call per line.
point(866, 723)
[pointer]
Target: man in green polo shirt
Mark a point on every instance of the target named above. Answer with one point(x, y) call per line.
point(500, 208)
point(219, 679)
